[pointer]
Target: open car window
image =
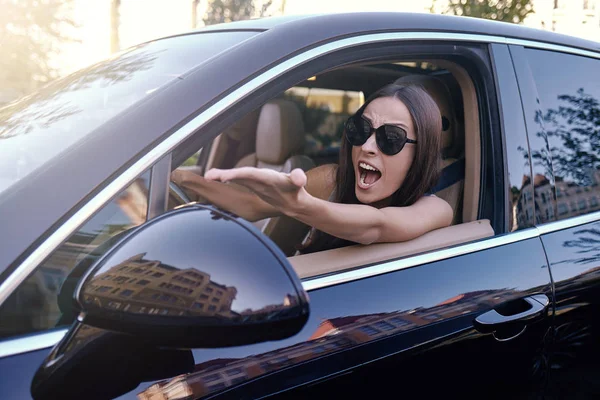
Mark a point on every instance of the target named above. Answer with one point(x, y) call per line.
point(322, 104)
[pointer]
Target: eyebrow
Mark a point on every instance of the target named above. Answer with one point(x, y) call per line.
point(398, 124)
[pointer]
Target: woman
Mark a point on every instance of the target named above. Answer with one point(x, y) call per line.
point(389, 160)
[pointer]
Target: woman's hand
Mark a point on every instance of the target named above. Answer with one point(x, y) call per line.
point(283, 191)
point(191, 183)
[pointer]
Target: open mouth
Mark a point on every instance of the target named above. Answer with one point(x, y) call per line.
point(368, 175)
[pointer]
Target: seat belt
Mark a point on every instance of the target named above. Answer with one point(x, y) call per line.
point(451, 174)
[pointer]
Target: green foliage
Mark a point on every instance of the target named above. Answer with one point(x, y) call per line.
point(221, 11)
point(513, 11)
point(192, 160)
point(31, 32)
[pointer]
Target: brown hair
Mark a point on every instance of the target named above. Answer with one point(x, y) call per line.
point(422, 175)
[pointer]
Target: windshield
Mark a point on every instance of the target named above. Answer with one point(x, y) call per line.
point(46, 123)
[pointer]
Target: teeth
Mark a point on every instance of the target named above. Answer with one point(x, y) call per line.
point(367, 166)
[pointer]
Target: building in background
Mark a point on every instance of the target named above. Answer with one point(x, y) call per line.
point(579, 18)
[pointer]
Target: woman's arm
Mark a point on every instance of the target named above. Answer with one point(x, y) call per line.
point(243, 202)
point(230, 197)
point(355, 222)
point(366, 224)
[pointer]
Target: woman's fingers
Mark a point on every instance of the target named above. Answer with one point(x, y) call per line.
point(215, 174)
point(298, 177)
point(182, 177)
point(226, 175)
point(262, 175)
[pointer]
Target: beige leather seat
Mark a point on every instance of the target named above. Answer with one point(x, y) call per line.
point(451, 135)
point(280, 140)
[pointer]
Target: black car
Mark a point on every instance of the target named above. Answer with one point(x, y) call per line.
point(117, 283)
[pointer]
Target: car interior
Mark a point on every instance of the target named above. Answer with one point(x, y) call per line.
point(302, 128)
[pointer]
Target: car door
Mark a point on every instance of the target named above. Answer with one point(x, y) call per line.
point(417, 321)
point(564, 116)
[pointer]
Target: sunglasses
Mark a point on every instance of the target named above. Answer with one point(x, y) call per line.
point(389, 138)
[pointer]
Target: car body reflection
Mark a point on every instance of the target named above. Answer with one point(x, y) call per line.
point(332, 335)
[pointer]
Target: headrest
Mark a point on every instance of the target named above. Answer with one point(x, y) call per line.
point(244, 128)
point(438, 90)
point(280, 132)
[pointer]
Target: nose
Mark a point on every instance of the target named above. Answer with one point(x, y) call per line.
point(370, 146)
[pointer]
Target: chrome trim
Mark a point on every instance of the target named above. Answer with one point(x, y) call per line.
point(113, 188)
point(553, 47)
point(159, 187)
point(393, 266)
point(569, 223)
point(29, 343)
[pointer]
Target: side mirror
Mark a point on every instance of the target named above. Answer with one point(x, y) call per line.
point(194, 277)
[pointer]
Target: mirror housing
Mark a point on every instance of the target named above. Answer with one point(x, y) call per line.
point(196, 276)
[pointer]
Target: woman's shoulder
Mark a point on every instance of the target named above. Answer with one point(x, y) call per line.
point(321, 180)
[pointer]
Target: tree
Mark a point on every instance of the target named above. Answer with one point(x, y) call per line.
point(573, 130)
point(513, 11)
point(195, 4)
point(31, 32)
point(115, 22)
point(220, 11)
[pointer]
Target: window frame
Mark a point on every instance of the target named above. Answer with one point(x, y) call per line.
point(473, 57)
point(528, 86)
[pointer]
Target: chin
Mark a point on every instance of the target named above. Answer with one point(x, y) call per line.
point(365, 198)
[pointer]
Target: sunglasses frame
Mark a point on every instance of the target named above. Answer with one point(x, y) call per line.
point(381, 137)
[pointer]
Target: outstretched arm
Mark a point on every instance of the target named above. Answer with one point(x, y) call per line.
point(234, 198)
point(355, 222)
point(240, 199)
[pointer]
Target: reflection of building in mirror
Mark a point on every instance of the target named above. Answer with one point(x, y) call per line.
point(151, 287)
point(332, 335)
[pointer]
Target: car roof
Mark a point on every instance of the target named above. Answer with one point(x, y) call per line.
point(329, 26)
point(36, 208)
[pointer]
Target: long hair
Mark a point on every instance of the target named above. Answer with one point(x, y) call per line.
point(423, 173)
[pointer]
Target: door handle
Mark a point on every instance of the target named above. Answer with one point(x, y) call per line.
point(536, 307)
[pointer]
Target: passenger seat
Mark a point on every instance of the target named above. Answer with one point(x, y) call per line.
point(452, 180)
point(280, 140)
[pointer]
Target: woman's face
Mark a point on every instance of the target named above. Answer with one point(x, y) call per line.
point(371, 187)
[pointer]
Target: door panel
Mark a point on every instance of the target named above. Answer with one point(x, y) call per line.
point(574, 256)
point(564, 134)
point(426, 311)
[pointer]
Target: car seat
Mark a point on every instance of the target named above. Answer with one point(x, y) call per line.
point(280, 140)
point(451, 185)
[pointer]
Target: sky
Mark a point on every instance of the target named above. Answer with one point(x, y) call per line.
point(167, 17)
point(143, 20)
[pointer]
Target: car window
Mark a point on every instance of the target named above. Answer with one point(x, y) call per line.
point(324, 112)
point(43, 300)
point(302, 127)
point(569, 127)
point(38, 127)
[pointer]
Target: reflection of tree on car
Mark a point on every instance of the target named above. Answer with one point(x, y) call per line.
point(571, 134)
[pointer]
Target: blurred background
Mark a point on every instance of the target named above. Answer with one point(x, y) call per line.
point(41, 40)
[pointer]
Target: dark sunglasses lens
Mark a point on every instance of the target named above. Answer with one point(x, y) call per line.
point(390, 139)
point(357, 131)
